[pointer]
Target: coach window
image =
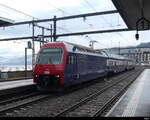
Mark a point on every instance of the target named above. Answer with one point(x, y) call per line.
point(75, 59)
point(70, 59)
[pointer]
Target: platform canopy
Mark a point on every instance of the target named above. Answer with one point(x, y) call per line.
point(5, 21)
point(133, 11)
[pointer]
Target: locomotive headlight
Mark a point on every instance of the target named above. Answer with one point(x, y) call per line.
point(57, 76)
point(36, 76)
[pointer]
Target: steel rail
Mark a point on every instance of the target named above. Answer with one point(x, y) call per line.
point(18, 98)
point(14, 106)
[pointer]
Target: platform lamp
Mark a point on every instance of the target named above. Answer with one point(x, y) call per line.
point(142, 21)
point(29, 46)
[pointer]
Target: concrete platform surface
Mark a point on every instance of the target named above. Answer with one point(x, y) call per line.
point(14, 84)
point(136, 101)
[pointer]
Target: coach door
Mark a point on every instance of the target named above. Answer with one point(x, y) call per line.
point(75, 68)
point(72, 65)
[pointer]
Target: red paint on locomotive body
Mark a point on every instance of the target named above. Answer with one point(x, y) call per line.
point(51, 69)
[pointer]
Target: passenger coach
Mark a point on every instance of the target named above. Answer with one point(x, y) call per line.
point(61, 64)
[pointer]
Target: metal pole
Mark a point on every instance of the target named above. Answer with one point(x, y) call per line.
point(42, 35)
point(51, 33)
point(25, 62)
point(54, 33)
point(119, 48)
point(40, 43)
point(42, 39)
point(33, 50)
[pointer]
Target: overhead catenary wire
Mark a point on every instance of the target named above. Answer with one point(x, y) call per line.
point(88, 37)
point(94, 9)
point(84, 19)
point(3, 5)
point(91, 6)
point(76, 16)
point(59, 9)
point(11, 8)
point(6, 6)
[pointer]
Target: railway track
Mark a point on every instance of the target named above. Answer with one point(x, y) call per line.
point(17, 98)
point(16, 91)
point(19, 102)
point(91, 105)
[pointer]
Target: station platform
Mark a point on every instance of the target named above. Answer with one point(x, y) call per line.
point(136, 100)
point(14, 84)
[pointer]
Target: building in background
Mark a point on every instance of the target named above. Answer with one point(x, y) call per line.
point(140, 54)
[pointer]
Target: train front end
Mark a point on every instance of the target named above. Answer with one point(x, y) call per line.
point(48, 73)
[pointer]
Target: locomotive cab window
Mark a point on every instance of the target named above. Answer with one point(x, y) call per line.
point(50, 56)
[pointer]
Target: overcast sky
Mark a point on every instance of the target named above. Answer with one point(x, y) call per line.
point(22, 10)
